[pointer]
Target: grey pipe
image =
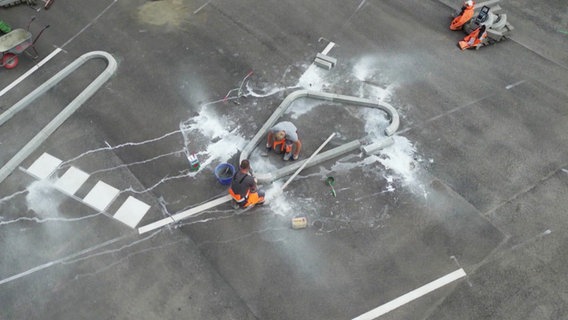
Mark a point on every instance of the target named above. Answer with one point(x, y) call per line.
point(324, 156)
point(36, 141)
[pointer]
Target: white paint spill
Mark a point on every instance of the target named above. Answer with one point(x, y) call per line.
point(222, 150)
point(375, 122)
point(400, 158)
point(208, 123)
point(301, 107)
point(345, 166)
point(261, 163)
point(313, 78)
point(277, 200)
point(264, 92)
point(212, 127)
point(365, 68)
point(43, 199)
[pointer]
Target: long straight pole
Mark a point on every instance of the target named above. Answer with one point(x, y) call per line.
point(306, 162)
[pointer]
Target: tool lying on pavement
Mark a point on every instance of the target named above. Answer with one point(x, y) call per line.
point(299, 222)
point(330, 181)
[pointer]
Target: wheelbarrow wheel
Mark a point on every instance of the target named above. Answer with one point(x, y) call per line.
point(9, 60)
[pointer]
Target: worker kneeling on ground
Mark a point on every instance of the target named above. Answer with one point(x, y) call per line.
point(283, 137)
point(474, 39)
point(464, 16)
point(244, 190)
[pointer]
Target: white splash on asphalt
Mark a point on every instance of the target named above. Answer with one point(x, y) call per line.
point(399, 158)
point(277, 200)
point(43, 199)
point(212, 127)
point(313, 78)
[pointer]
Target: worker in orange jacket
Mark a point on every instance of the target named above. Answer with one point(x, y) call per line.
point(283, 138)
point(464, 16)
point(244, 190)
point(474, 39)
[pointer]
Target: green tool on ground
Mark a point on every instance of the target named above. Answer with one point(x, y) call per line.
point(330, 181)
point(4, 27)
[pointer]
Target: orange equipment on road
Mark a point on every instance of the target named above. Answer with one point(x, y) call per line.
point(464, 16)
point(474, 39)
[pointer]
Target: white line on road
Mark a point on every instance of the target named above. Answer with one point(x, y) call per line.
point(514, 84)
point(32, 70)
point(58, 261)
point(412, 295)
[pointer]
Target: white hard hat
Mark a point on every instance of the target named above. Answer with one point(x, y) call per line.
point(469, 3)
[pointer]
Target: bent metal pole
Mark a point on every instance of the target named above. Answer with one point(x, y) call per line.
point(36, 141)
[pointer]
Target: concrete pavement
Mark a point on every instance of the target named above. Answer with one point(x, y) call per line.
point(476, 178)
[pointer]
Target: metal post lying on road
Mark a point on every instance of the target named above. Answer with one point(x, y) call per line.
point(306, 162)
point(190, 212)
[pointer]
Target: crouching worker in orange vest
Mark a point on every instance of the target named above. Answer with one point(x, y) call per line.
point(474, 39)
point(464, 16)
point(282, 138)
point(244, 190)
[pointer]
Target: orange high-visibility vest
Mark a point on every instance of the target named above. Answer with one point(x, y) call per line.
point(473, 39)
point(463, 18)
point(283, 146)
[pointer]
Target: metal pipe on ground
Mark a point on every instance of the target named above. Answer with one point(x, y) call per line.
point(36, 141)
point(307, 161)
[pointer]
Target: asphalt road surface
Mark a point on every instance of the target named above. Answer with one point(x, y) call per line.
point(463, 217)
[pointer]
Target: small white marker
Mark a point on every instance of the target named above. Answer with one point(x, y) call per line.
point(199, 9)
point(514, 84)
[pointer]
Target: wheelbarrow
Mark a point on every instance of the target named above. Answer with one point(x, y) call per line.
point(10, 3)
point(14, 43)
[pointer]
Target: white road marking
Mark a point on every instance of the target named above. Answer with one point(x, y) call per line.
point(101, 196)
point(514, 84)
point(412, 295)
point(51, 263)
point(44, 166)
point(131, 212)
point(32, 70)
point(71, 180)
point(203, 6)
